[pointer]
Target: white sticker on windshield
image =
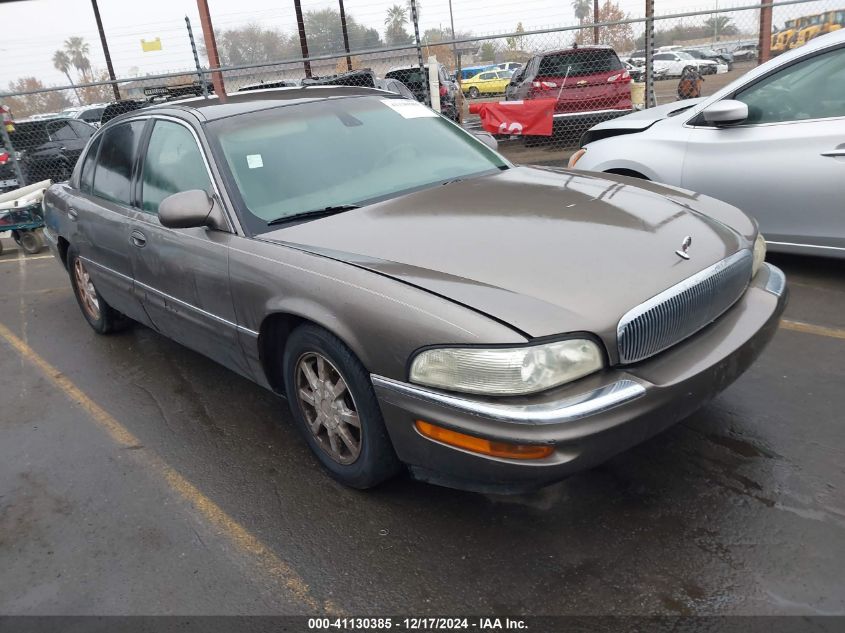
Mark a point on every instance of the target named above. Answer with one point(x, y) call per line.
point(254, 161)
point(409, 109)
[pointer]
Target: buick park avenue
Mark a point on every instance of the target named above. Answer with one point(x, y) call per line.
point(421, 302)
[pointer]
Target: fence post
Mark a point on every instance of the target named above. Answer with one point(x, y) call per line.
point(303, 40)
point(7, 143)
point(415, 20)
point(649, 54)
point(595, 21)
point(211, 48)
point(196, 57)
point(106, 53)
point(764, 51)
point(345, 35)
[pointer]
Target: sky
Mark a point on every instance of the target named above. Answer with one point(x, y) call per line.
point(31, 30)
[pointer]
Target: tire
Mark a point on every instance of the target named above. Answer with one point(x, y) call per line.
point(104, 319)
point(474, 93)
point(31, 242)
point(375, 460)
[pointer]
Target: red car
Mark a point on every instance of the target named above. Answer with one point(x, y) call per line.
point(590, 83)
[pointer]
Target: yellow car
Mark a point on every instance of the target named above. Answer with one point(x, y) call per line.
point(490, 82)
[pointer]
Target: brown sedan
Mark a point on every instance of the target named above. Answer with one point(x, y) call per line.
point(418, 299)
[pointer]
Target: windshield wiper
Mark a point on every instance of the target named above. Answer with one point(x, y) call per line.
point(316, 213)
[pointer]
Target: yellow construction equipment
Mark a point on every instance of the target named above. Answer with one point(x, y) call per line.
point(780, 40)
point(833, 21)
point(810, 28)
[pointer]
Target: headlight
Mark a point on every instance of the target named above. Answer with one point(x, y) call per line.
point(506, 371)
point(759, 254)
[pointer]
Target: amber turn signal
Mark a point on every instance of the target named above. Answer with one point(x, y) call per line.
point(480, 445)
point(575, 158)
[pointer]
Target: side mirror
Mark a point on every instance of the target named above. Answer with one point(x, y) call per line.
point(488, 139)
point(189, 209)
point(726, 112)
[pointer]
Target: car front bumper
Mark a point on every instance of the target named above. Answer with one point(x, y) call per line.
point(586, 422)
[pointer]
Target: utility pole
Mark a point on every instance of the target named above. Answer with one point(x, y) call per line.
point(345, 35)
point(595, 21)
point(105, 50)
point(211, 49)
point(303, 42)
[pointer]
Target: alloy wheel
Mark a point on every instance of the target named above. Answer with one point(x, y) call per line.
point(329, 409)
point(86, 291)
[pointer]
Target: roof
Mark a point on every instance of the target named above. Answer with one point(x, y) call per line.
point(592, 47)
point(212, 107)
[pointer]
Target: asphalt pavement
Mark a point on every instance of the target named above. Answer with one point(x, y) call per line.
point(137, 477)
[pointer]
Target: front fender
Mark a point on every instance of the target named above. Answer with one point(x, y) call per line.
point(382, 320)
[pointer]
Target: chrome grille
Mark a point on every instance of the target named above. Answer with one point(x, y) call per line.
point(683, 309)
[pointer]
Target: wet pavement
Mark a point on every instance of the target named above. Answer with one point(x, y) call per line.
point(137, 477)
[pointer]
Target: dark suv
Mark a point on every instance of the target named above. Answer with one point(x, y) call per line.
point(49, 148)
point(590, 83)
point(413, 78)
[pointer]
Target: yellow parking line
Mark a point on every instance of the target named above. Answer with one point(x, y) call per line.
point(18, 260)
point(248, 544)
point(809, 328)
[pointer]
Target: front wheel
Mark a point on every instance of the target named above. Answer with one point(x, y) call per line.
point(100, 315)
point(474, 93)
point(334, 405)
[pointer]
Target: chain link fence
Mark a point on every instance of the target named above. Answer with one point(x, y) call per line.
point(583, 74)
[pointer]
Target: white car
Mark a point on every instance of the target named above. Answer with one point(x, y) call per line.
point(511, 66)
point(673, 64)
point(771, 143)
point(90, 113)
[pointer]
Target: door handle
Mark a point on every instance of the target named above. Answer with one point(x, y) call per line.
point(72, 214)
point(834, 153)
point(138, 239)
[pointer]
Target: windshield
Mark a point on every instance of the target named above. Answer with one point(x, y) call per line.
point(352, 151)
point(684, 55)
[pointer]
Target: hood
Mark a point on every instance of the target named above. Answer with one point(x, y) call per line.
point(545, 251)
point(636, 121)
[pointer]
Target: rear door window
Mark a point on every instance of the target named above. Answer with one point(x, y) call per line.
point(87, 177)
point(113, 174)
point(581, 62)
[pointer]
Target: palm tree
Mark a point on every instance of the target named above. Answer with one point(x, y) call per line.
point(582, 9)
point(77, 49)
point(396, 17)
point(62, 63)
